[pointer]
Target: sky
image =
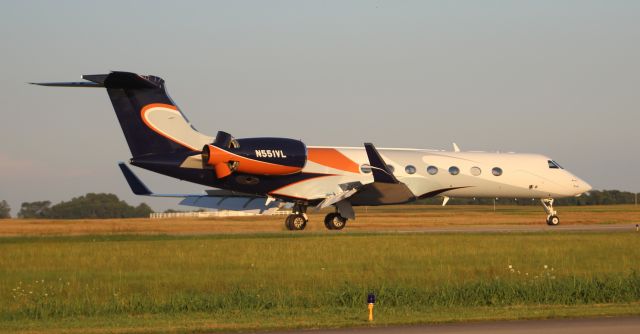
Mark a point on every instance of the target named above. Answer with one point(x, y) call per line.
point(560, 78)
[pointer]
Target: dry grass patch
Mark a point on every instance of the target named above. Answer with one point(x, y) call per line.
point(388, 218)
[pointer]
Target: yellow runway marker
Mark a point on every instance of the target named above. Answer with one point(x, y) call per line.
point(371, 300)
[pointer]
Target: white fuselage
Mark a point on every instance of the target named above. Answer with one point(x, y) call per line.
point(523, 175)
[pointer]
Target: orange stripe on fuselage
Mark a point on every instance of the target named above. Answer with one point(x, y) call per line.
point(331, 157)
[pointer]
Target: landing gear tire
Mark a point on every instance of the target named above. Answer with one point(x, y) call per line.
point(553, 220)
point(335, 221)
point(552, 215)
point(295, 222)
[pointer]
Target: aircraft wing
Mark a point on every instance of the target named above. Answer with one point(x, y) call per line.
point(217, 199)
point(385, 188)
point(331, 200)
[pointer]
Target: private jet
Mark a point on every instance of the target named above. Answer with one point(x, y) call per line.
point(266, 174)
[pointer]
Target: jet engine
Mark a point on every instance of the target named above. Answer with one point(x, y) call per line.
point(257, 156)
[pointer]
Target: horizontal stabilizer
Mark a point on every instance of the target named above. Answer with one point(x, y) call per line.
point(115, 80)
point(128, 80)
point(97, 78)
point(81, 84)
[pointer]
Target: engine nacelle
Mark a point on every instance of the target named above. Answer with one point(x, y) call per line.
point(257, 156)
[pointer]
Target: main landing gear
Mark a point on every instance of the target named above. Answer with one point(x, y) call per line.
point(552, 218)
point(334, 221)
point(298, 219)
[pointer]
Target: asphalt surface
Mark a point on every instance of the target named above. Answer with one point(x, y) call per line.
point(624, 325)
point(522, 228)
point(458, 229)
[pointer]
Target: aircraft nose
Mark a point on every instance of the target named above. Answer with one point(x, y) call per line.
point(580, 186)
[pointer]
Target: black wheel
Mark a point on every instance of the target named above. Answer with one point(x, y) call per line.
point(327, 221)
point(287, 222)
point(295, 222)
point(553, 220)
point(334, 221)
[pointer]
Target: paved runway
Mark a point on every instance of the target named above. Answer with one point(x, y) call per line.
point(538, 228)
point(625, 325)
point(523, 228)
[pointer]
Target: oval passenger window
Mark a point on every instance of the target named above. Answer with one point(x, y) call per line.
point(365, 169)
point(410, 169)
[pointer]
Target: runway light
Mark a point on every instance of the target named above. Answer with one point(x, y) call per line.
point(371, 300)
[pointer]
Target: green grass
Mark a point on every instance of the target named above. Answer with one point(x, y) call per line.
point(285, 280)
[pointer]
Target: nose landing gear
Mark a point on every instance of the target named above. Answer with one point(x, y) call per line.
point(552, 217)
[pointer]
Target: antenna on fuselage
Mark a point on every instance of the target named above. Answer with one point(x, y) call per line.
point(456, 148)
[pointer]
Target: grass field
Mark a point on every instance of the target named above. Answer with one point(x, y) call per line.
point(172, 283)
point(386, 218)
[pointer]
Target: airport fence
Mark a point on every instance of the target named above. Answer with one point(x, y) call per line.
point(210, 214)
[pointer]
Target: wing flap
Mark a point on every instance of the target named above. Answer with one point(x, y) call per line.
point(255, 205)
point(331, 200)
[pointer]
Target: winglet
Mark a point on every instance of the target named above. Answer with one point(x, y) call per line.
point(134, 182)
point(381, 172)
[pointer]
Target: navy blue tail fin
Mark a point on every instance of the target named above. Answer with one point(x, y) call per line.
point(129, 94)
point(132, 95)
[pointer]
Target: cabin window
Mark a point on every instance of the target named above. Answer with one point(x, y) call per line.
point(365, 168)
point(432, 170)
point(554, 165)
point(453, 170)
point(497, 171)
point(410, 169)
point(391, 168)
point(476, 171)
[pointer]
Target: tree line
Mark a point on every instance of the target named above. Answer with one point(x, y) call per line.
point(5, 210)
point(89, 206)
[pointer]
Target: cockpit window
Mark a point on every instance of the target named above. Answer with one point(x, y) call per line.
point(554, 165)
